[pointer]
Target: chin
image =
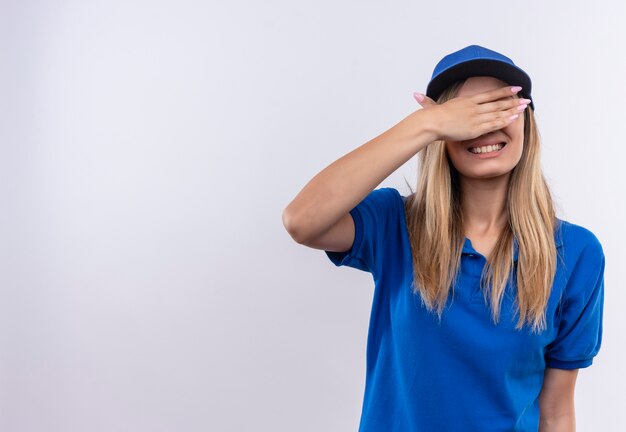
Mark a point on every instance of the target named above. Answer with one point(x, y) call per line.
point(485, 174)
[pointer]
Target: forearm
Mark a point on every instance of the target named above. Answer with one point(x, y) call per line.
point(343, 184)
point(564, 423)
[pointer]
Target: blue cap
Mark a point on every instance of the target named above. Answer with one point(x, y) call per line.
point(475, 60)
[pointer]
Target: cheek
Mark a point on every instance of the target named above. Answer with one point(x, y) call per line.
point(450, 151)
point(516, 129)
point(515, 132)
point(453, 147)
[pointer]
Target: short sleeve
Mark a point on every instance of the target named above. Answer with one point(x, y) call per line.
point(372, 217)
point(579, 334)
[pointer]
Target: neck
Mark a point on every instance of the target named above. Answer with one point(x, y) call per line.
point(484, 204)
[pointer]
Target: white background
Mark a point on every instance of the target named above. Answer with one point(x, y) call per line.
point(148, 149)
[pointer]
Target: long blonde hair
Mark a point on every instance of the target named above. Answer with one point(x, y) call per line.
point(435, 221)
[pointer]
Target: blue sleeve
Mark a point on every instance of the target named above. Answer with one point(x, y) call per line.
point(372, 218)
point(580, 329)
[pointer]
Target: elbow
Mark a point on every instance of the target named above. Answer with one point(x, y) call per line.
point(562, 423)
point(294, 226)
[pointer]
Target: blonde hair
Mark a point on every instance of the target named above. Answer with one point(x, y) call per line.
point(435, 221)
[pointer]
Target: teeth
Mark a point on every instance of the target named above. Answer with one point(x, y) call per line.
point(486, 149)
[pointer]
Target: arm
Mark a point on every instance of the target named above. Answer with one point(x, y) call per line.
point(328, 197)
point(343, 184)
point(556, 401)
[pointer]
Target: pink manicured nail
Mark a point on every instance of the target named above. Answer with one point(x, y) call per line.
point(514, 116)
point(515, 89)
point(522, 107)
point(418, 97)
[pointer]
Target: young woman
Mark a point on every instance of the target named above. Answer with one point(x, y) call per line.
point(485, 303)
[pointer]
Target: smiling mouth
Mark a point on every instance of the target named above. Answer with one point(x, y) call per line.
point(487, 149)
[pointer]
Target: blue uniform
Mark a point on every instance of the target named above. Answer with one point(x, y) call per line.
point(467, 373)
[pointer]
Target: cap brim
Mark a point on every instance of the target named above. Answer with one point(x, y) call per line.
point(494, 68)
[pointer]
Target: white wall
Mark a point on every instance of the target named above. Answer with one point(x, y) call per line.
point(147, 149)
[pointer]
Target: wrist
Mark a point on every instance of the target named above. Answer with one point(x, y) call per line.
point(425, 126)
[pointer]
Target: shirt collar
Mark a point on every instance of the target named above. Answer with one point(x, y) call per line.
point(558, 241)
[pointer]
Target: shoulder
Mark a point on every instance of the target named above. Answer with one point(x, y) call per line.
point(384, 198)
point(582, 252)
point(388, 193)
point(578, 239)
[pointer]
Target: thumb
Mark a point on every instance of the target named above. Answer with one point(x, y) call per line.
point(423, 100)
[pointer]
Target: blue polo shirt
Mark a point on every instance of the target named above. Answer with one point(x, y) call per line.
point(467, 374)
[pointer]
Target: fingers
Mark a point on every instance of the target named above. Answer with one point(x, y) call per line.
point(498, 124)
point(512, 103)
point(423, 100)
point(498, 120)
point(496, 94)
